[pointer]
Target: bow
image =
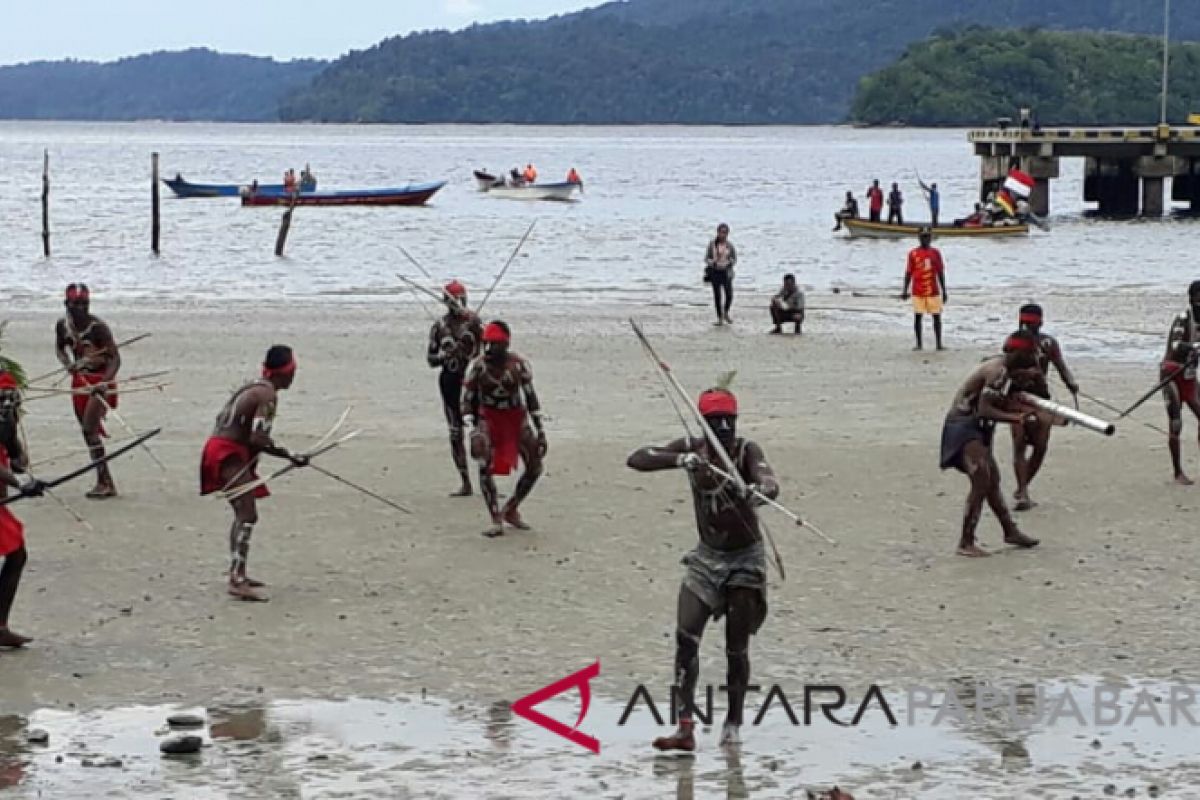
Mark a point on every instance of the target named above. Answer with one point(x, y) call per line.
point(70, 476)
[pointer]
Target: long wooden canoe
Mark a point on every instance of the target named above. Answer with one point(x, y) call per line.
point(865, 229)
point(415, 194)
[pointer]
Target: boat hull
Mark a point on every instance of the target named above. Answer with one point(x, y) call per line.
point(412, 195)
point(486, 181)
point(183, 188)
point(538, 191)
point(865, 229)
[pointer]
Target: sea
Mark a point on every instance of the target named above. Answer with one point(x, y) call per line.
point(653, 196)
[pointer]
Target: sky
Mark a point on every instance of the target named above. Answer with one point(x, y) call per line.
point(103, 30)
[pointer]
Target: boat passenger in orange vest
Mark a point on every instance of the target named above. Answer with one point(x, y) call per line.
point(289, 181)
point(530, 174)
point(573, 176)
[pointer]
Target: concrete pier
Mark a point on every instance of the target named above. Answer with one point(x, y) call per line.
point(1125, 169)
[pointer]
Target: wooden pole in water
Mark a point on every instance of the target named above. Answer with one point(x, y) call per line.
point(285, 225)
point(46, 203)
point(154, 219)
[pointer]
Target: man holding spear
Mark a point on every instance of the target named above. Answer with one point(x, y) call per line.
point(86, 348)
point(12, 533)
point(454, 341)
point(1177, 374)
point(727, 572)
point(242, 432)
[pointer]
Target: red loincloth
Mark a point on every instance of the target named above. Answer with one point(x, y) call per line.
point(1186, 386)
point(12, 532)
point(218, 450)
point(504, 429)
point(82, 380)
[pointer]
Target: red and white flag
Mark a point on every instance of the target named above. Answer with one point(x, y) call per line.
point(1019, 183)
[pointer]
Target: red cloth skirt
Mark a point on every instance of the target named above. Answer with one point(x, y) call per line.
point(82, 380)
point(1186, 386)
point(504, 429)
point(218, 450)
point(12, 532)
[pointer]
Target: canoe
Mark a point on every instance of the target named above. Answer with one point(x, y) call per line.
point(415, 194)
point(865, 229)
point(183, 188)
point(536, 191)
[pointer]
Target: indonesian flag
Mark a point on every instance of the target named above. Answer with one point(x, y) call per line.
point(1019, 183)
point(1005, 201)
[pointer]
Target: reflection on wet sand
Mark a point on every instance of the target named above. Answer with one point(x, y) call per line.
point(12, 751)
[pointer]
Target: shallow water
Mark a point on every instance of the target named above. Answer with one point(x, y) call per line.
point(427, 747)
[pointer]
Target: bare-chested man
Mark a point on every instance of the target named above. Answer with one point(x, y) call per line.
point(727, 572)
point(498, 402)
point(12, 533)
point(1179, 364)
point(241, 433)
point(86, 348)
point(1035, 431)
point(980, 403)
point(454, 341)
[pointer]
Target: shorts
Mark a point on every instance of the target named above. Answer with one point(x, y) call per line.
point(711, 573)
point(1185, 384)
point(927, 305)
point(957, 431)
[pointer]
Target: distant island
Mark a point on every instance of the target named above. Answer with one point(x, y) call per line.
point(652, 61)
point(978, 74)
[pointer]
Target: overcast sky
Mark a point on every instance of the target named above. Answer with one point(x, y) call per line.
point(107, 29)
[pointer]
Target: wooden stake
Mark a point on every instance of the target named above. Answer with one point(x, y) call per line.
point(46, 203)
point(154, 219)
point(285, 225)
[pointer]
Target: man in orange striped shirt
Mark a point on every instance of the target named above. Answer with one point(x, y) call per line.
point(926, 274)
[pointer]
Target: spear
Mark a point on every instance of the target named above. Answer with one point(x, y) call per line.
point(88, 467)
point(507, 264)
point(52, 373)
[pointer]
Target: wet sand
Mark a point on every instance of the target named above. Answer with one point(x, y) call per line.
point(368, 602)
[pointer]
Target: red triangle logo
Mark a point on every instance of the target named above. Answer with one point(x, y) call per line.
point(579, 680)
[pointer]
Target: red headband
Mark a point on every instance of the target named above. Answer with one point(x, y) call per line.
point(1030, 318)
point(7, 381)
point(1019, 343)
point(494, 333)
point(718, 402)
point(455, 289)
point(76, 293)
point(287, 369)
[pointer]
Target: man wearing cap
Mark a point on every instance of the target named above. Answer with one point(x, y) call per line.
point(1035, 431)
point(981, 402)
point(1178, 368)
point(498, 402)
point(926, 273)
point(454, 340)
point(727, 572)
point(242, 432)
point(86, 348)
point(12, 533)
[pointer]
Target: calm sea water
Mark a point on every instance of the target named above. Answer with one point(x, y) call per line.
point(653, 197)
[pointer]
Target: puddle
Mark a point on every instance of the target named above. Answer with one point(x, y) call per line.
point(414, 747)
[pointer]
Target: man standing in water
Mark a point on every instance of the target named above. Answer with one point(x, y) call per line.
point(980, 403)
point(1035, 431)
point(727, 572)
point(454, 341)
point(926, 273)
point(241, 433)
point(498, 401)
point(1179, 365)
point(86, 348)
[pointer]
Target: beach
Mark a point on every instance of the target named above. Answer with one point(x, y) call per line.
point(367, 602)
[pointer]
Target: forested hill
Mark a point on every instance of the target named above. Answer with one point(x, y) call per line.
point(682, 61)
point(189, 85)
point(1081, 78)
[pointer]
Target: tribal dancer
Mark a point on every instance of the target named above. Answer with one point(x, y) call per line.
point(980, 403)
point(1035, 432)
point(12, 534)
point(242, 432)
point(498, 400)
point(453, 342)
point(1179, 365)
point(86, 348)
point(727, 572)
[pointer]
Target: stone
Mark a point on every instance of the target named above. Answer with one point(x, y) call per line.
point(37, 736)
point(181, 745)
point(104, 762)
point(185, 721)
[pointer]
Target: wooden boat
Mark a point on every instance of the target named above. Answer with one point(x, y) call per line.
point(183, 188)
point(865, 229)
point(414, 194)
point(536, 191)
